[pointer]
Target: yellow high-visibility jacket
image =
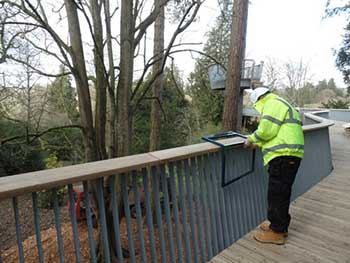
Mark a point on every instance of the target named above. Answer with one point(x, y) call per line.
point(280, 130)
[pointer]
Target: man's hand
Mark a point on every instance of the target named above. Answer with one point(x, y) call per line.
point(248, 144)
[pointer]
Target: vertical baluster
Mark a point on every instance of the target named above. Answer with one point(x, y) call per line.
point(102, 219)
point(248, 201)
point(198, 208)
point(246, 192)
point(89, 221)
point(251, 185)
point(158, 212)
point(175, 212)
point(241, 201)
point(183, 212)
point(206, 212)
point(215, 187)
point(138, 216)
point(37, 227)
point(74, 223)
point(242, 219)
point(219, 190)
point(262, 188)
point(226, 200)
point(128, 217)
point(232, 199)
point(210, 192)
point(256, 198)
point(265, 188)
point(164, 184)
point(58, 224)
point(190, 207)
point(149, 215)
point(118, 242)
point(18, 230)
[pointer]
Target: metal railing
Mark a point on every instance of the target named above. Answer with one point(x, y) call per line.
point(336, 114)
point(193, 217)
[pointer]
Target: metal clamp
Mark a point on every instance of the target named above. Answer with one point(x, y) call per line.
point(213, 139)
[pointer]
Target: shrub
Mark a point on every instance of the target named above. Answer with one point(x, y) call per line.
point(46, 197)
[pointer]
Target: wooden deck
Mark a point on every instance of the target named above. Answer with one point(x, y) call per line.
point(320, 227)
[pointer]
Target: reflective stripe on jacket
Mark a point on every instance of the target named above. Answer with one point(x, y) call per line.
point(280, 130)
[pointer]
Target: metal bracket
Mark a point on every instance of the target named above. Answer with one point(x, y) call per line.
point(213, 139)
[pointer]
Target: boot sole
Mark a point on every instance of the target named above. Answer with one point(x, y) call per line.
point(270, 242)
point(263, 229)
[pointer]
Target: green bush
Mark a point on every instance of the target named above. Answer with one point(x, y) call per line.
point(336, 104)
point(20, 158)
point(46, 198)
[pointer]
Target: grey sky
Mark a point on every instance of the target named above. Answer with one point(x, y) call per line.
point(286, 30)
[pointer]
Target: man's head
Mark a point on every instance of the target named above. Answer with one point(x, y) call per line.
point(258, 93)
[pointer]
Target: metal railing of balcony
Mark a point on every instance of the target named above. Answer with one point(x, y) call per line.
point(194, 218)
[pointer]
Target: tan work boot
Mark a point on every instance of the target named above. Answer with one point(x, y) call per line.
point(269, 236)
point(265, 226)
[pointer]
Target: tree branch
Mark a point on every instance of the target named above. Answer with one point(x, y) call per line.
point(174, 79)
point(48, 52)
point(201, 53)
point(32, 12)
point(38, 135)
point(181, 27)
point(100, 56)
point(146, 23)
point(37, 70)
point(159, 102)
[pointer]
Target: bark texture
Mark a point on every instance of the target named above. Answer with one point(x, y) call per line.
point(232, 116)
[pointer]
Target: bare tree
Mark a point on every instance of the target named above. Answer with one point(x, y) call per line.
point(272, 73)
point(101, 79)
point(158, 85)
point(79, 71)
point(111, 112)
point(32, 14)
point(295, 76)
point(27, 19)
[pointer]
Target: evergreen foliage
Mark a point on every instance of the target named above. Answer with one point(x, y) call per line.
point(20, 158)
point(336, 104)
point(174, 121)
point(208, 104)
point(46, 197)
point(62, 97)
point(343, 56)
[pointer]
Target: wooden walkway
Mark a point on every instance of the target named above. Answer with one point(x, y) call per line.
point(320, 227)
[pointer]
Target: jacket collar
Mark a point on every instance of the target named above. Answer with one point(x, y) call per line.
point(259, 105)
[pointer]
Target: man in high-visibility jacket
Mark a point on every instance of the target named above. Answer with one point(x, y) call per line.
point(281, 139)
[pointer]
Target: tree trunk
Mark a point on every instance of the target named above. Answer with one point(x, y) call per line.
point(80, 76)
point(125, 78)
point(111, 112)
point(101, 81)
point(157, 88)
point(232, 116)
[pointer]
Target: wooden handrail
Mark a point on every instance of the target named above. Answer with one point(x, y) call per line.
point(46, 179)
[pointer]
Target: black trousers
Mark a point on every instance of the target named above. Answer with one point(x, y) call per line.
point(282, 171)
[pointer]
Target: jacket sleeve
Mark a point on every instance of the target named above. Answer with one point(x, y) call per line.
point(273, 116)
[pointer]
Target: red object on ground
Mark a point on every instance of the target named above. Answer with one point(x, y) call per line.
point(79, 206)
